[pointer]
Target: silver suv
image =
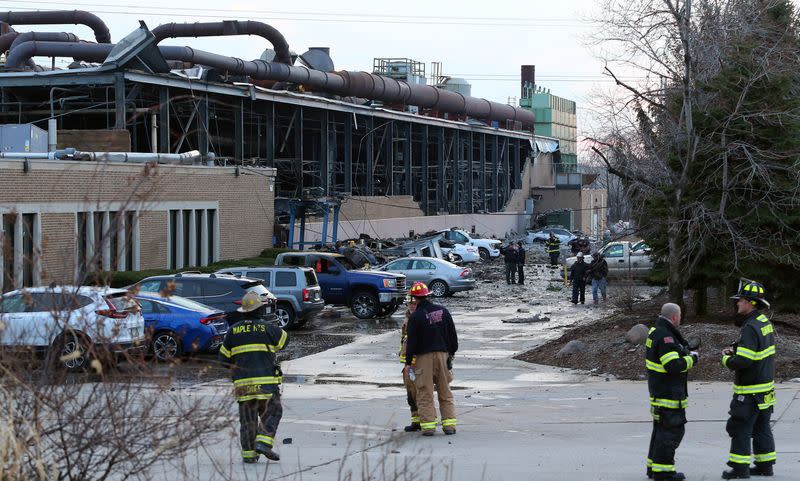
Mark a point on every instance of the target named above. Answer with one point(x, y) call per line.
point(298, 292)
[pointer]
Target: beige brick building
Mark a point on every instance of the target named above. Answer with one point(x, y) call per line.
point(62, 219)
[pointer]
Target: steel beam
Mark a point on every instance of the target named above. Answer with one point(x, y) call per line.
point(495, 174)
point(389, 158)
point(441, 184)
point(456, 175)
point(470, 172)
point(425, 176)
point(325, 159)
point(370, 149)
point(202, 125)
point(163, 121)
point(270, 135)
point(409, 189)
point(238, 131)
point(119, 101)
point(482, 174)
point(515, 155)
point(348, 154)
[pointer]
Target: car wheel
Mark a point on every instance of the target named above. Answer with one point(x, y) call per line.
point(388, 310)
point(287, 319)
point(484, 253)
point(438, 288)
point(70, 351)
point(364, 305)
point(166, 346)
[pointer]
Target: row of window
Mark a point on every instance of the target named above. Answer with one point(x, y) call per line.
point(193, 237)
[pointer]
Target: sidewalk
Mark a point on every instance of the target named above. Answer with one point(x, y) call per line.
point(517, 421)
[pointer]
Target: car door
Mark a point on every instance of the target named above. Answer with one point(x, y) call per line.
point(332, 278)
point(423, 271)
point(152, 315)
point(401, 266)
point(285, 284)
point(615, 258)
point(641, 262)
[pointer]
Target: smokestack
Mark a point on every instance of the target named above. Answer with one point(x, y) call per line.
point(527, 78)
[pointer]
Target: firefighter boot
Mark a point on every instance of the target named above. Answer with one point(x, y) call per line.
point(449, 430)
point(669, 476)
point(737, 473)
point(761, 470)
point(412, 427)
point(267, 452)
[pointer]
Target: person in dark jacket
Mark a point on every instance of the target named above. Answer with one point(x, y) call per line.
point(411, 389)
point(752, 359)
point(668, 359)
point(249, 349)
point(577, 275)
point(430, 346)
point(553, 247)
point(598, 272)
point(510, 258)
point(520, 263)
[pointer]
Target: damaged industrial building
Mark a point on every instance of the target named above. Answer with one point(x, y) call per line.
point(144, 156)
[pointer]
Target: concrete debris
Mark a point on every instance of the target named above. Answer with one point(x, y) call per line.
point(572, 347)
point(637, 334)
point(524, 320)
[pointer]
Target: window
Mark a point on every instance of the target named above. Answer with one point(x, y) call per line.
point(615, 250)
point(311, 278)
point(285, 279)
point(218, 288)
point(419, 264)
point(13, 304)
point(187, 288)
point(264, 276)
point(192, 235)
point(460, 238)
point(400, 265)
point(9, 226)
point(19, 250)
point(150, 286)
point(106, 241)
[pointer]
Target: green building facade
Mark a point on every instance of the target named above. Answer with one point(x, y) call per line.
point(555, 117)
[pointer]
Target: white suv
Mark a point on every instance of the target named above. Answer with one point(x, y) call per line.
point(69, 319)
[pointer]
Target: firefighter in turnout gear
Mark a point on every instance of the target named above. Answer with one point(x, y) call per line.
point(250, 348)
point(411, 389)
point(668, 360)
point(553, 247)
point(430, 346)
point(752, 359)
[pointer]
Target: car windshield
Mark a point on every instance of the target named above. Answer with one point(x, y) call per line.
point(346, 263)
point(640, 246)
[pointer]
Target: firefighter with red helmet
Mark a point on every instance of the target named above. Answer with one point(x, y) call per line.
point(431, 344)
point(752, 359)
point(411, 389)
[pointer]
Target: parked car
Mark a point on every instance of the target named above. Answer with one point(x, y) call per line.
point(543, 234)
point(624, 258)
point(297, 289)
point(219, 291)
point(68, 319)
point(178, 326)
point(487, 248)
point(442, 277)
point(461, 252)
point(368, 293)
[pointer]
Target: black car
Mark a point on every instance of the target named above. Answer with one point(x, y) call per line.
point(223, 292)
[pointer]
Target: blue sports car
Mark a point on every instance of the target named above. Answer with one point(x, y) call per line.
point(178, 326)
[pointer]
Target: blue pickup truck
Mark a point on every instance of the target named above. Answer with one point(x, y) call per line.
point(369, 294)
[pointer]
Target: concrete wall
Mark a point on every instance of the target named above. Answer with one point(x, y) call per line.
point(57, 191)
point(386, 207)
point(593, 211)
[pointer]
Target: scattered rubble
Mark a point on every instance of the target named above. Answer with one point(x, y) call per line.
point(572, 347)
point(523, 320)
point(637, 334)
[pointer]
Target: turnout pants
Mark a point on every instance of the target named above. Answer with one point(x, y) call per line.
point(669, 426)
point(749, 422)
point(258, 423)
point(411, 397)
point(554, 258)
point(431, 370)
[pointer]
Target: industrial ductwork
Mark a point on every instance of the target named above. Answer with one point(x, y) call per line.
point(44, 36)
point(355, 84)
point(60, 17)
point(227, 28)
point(192, 157)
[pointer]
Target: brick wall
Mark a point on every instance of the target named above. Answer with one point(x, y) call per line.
point(245, 212)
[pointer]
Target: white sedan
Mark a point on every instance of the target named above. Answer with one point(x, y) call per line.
point(463, 253)
point(72, 321)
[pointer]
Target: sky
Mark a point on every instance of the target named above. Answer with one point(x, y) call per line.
point(482, 41)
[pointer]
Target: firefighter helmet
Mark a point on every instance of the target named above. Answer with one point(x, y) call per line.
point(250, 302)
point(419, 289)
point(752, 291)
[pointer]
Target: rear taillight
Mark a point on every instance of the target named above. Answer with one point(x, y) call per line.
point(306, 295)
point(210, 319)
point(238, 303)
point(466, 272)
point(111, 312)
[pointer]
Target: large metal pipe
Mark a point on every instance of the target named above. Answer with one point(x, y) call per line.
point(60, 17)
point(227, 28)
point(44, 36)
point(186, 158)
point(6, 40)
point(355, 84)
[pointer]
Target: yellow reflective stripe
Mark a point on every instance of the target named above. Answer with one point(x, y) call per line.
point(249, 348)
point(760, 458)
point(449, 422)
point(415, 419)
point(769, 401)
point(754, 388)
point(768, 329)
point(257, 380)
point(669, 403)
point(654, 366)
point(746, 353)
point(403, 359)
point(430, 425)
point(725, 359)
point(689, 362)
point(662, 468)
point(282, 341)
point(762, 318)
point(263, 438)
point(255, 397)
point(669, 357)
point(249, 454)
point(649, 462)
point(648, 342)
point(738, 459)
point(224, 351)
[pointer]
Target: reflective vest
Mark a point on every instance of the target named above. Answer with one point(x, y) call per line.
point(754, 358)
point(553, 246)
point(668, 361)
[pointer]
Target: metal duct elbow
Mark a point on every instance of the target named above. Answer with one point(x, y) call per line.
point(60, 17)
point(44, 37)
point(227, 28)
point(192, 157)
point(6, 40)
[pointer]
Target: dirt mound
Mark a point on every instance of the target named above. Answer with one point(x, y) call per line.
point(607, 352)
